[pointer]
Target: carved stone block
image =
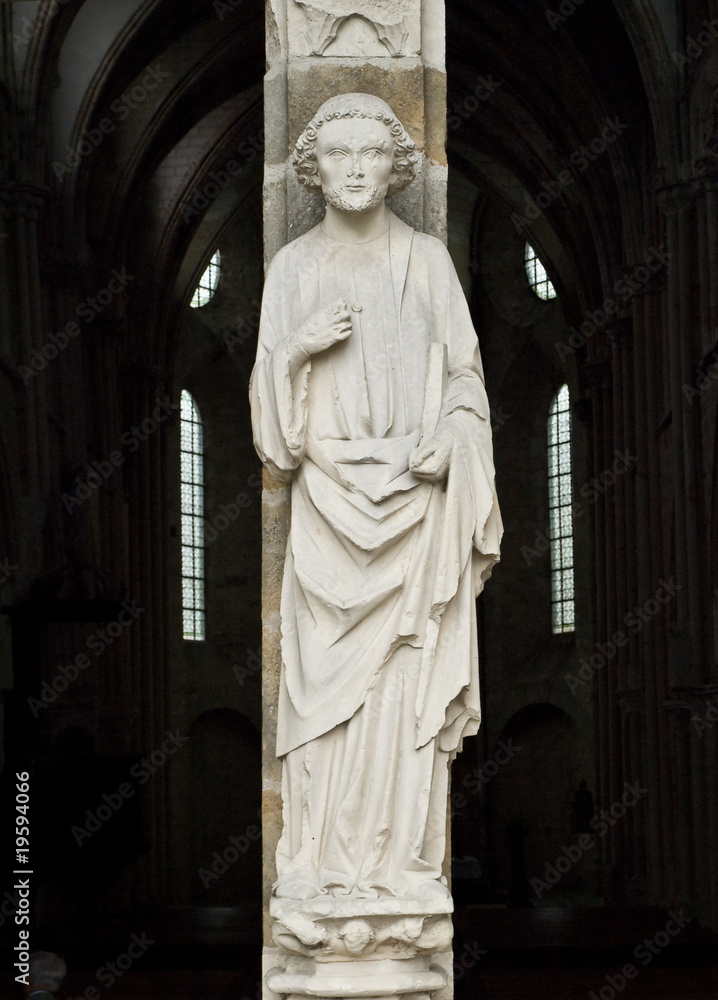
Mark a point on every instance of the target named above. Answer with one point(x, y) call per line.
point(346, 28)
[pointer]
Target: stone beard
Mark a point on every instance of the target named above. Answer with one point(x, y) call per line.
point(384, 560)
point(334, 196)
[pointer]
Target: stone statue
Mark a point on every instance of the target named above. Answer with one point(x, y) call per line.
point(368, 396)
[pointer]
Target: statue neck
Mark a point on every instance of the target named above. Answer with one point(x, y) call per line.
point(356, 227)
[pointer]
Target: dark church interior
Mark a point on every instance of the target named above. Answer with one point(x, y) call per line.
point(582, 149)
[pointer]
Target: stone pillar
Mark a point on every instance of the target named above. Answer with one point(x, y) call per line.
point(676, 201)
point(650, 563)
point(599, 374)
point(145, 671)
point(396, 51)
point(21, 207)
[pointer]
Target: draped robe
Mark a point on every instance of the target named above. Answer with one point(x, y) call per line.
point(379, 680)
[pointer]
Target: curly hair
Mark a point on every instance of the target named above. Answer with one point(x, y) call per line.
point(406, 157)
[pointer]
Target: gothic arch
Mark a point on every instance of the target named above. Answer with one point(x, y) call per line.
point(537, 145)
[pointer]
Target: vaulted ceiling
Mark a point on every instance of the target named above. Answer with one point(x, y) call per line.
point(154, 128)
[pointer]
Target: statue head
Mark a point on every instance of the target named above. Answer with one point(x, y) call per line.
point(345, 107)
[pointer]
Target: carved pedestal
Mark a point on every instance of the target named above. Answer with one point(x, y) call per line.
point(338, 948)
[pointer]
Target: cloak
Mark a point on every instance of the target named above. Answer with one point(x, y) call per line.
point(377, 559)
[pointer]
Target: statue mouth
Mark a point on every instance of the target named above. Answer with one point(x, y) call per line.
point(353, 197)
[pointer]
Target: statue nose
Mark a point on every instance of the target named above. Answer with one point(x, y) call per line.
point(355, 167)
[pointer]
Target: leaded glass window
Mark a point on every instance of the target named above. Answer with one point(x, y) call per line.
point(536, 273)
point(560, 515)
point(192, 479)
point(207, 284)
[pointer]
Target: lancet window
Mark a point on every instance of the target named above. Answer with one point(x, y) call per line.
point(207, 286)
point(192, 514)
point(536, 273)
point(560, 512)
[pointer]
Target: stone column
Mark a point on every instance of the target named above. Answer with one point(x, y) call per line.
point(395, 50)
point(146, 670)
point(676, 201)
point(647, 306)
point(21, 207)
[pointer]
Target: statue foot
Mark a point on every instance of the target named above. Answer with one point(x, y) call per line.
point(433, 890)
point(297, 888)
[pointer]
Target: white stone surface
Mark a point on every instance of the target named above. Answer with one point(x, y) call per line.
point(444, 961)
point(368, 397)
point(382, 978)
point(367, 28)
point(330, 927)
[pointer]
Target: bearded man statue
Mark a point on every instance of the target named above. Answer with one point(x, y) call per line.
point(368, 397)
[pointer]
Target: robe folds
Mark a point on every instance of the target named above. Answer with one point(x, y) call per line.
point(379, 680)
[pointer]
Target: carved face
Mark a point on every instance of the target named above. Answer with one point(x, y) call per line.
point(355, 158)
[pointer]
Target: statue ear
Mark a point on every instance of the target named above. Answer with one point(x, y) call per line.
point(312, 182)
point(397, 182)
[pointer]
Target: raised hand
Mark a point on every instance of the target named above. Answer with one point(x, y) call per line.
point(325, 328)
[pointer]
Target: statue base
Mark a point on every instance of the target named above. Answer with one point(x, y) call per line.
point(337, 948)
point(409, 978)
